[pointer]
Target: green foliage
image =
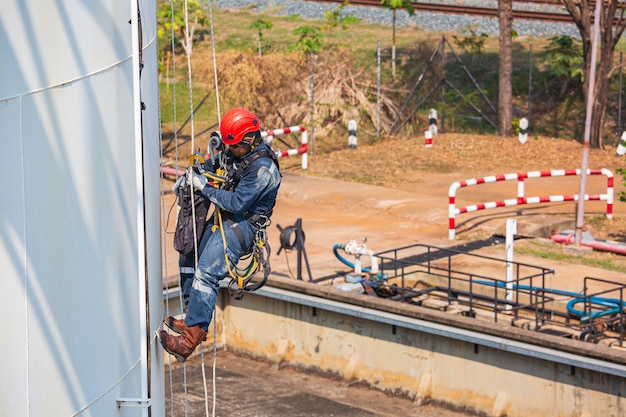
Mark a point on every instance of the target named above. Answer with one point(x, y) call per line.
point(171, 22)
point(515, 125)
point(471, 42)
point(334, 18)
point(172, 13)
point(622, 194)
point(260, 25)
point(309, 38)
point(564, 56)
point(399, 4)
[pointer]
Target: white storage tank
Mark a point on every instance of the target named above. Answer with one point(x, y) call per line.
point(79, 209)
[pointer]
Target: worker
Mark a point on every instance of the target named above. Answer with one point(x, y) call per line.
point(245, 202)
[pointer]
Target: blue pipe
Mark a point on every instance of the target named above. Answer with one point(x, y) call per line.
point(616, 304)
point(344, 260)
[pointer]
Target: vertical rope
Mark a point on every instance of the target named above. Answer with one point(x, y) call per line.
point(219, 119)
point(214, 361)
point(217, 91)
point(175, 129)
point(164, 240)
point(188, 49)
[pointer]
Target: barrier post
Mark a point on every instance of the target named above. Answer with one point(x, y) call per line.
point(352, 134)
point(428, 139)
point(523, 130)
point(621, 145)
point(432, 121)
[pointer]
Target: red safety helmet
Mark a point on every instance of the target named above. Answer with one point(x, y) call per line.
point(236, 124)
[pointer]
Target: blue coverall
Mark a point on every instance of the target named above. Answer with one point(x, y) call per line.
point(254, 194)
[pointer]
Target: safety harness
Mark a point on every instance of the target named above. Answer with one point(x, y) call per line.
point(258, 255)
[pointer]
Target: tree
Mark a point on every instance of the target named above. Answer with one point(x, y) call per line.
point(612, 24)
point(336, 18)
point(564, 56)
point(260, 25)
point(309, 38)
point(394, 5)
point(471, 42)
point(172, 13)
point(505, 87)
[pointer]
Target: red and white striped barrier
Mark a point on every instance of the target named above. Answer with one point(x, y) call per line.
point(453, 211)
point(302, 150)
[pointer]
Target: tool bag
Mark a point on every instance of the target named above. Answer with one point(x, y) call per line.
point(184, 241)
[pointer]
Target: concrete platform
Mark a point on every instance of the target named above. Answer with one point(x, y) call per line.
point(246, 387)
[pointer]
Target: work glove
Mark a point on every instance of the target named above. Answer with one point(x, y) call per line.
point(198, 181)
point(179, 182)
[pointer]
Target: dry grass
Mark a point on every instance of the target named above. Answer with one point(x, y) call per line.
point(403, 163)
point(277, 88)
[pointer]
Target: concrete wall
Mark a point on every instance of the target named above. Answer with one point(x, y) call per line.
point(421, 353)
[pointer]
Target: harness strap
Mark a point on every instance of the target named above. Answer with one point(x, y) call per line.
point(235, 175)
point(234, 226)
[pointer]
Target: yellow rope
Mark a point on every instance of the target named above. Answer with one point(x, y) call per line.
point(252, 267)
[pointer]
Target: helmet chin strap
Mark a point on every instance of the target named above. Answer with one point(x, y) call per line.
point(251, 142)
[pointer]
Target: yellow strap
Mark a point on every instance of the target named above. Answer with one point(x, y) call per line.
point(233, 274)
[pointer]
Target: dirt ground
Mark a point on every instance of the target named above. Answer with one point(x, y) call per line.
point(395, 193)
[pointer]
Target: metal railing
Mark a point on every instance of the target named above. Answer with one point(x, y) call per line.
point(468, 284)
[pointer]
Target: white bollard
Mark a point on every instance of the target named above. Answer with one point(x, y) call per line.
point(432, 121)
point(428, 139)
point(511, 231)
point(621, 145)
point(352, 134)
point(523, 130)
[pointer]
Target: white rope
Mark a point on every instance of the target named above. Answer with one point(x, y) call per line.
point(180, 294)
point(217, 100)
point(188, 49)
point(164, 243)
point(217, 90)
point(219, 119)
point(214, 360)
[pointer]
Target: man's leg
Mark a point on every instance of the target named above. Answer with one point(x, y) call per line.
point(203, 293)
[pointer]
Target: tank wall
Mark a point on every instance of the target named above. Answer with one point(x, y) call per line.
point(76, 180)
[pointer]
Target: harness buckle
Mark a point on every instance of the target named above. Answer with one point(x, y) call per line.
point(259, 221)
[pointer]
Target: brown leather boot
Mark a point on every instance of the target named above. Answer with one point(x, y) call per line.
point(182, 346)
point(175, 325)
